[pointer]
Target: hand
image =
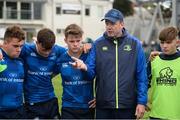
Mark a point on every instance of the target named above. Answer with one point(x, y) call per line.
point(140, 110)
point(147, 108)
point(78, 64)
point(1, 55)
point(1, 43)
point(86, 47)
point(92, 103)
point(153, 55)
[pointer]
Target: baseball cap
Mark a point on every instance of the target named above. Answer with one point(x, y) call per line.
point(113, 15)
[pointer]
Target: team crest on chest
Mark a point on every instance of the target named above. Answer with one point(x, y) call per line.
point(127, 48)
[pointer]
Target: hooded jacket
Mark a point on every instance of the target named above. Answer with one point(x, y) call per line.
point(119, 66)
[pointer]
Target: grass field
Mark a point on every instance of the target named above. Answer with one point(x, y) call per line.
point(58, 88)
point(58, 91)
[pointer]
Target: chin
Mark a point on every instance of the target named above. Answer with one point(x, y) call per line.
point(75, 50)
point(45, 55)
point(167, 53)
point(16, 56)
point(110, 35)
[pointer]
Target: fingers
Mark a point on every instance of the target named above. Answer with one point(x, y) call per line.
point(92, 103)
point(75, 59)
point(147, 108)
point(153, 55)
point(73, 64)
point(78, 64)
point(1, 55)
point(140, 109)
point(86, 47)
point(139, 115)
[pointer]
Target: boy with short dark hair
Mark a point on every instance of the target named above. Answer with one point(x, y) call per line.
point(164, 77)
point(77, 88)
point(40, 60)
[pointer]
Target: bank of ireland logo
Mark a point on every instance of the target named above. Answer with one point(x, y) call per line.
point(76, 78)
point(13, 75)
point(43, 68)
point(127, 48)
point(165, 77)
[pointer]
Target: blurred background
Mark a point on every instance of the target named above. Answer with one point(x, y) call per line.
point(143, 18)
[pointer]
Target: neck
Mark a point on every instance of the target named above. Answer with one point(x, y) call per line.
point(4, 49)
point(74, 54)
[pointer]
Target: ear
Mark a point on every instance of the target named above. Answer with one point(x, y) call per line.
point(5, 42)
point(122, 24)
point(178, 42)
point(37, 43)
point(65, 40)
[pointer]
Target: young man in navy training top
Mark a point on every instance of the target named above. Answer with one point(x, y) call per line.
point(117, 60)
point(12, 76)
point(77, 97)
point(40, 60)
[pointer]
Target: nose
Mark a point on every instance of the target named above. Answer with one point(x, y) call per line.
point(18, 49)
point(164, 45)
point(76, 43)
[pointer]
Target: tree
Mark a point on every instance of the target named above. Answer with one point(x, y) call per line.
point(125, 6)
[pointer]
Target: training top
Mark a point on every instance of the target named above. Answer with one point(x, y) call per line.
point(165, 87)
point(11, 83)
point(39, 71)
point(77, 88)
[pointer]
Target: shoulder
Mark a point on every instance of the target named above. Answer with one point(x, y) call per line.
point(59, 48)
point(29, 46)
point(100, 39)
point(133, 39)
point(64, 58)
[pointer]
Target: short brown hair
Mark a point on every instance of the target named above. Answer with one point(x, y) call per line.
point(168, 34)
point(14, 32)
point(73, 29)
point(46, 38)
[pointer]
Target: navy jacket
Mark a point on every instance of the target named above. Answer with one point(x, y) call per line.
point(120, 68)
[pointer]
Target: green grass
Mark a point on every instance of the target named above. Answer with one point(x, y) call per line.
point(58, 89)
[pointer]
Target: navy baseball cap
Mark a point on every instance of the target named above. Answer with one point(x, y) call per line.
point(113, 15)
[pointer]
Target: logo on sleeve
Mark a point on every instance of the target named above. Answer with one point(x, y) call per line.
point(165, 77)
point(33, 54)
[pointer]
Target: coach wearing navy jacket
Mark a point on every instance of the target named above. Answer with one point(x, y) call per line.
point(117, 60)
